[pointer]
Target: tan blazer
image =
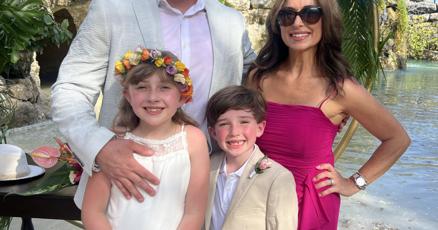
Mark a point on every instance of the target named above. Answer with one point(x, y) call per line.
point(264, 201)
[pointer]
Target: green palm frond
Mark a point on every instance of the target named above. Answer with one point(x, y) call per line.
point(359, 42)
point(362, 44)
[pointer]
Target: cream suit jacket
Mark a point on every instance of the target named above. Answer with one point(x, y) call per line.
point(263, 201)
point(109, 30)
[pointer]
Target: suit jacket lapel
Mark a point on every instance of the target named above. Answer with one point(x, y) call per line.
point(215, 166)
point(148, 19)
point(245, 181)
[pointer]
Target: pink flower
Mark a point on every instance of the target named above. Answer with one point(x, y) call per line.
point(45, 156)
point(263, 164)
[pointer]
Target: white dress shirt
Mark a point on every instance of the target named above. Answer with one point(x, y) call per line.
point(187, 35)
point(225, 187)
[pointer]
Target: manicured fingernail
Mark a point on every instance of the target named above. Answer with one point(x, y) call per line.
point(314, 179)
point(318, 166)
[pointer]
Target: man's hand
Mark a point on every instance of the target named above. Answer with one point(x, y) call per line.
point(117, 162)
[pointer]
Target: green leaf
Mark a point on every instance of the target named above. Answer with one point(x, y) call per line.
point(54, 181)
point(48, 20)
point(25, 25)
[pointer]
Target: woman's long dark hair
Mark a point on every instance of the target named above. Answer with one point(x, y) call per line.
point(330, 61)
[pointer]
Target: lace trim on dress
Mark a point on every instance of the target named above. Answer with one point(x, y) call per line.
point(173, 144)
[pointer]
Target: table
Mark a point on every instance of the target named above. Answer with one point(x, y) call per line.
point(55, 205)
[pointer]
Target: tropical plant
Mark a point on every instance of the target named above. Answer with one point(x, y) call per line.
point(7, 111)
point(421, 37)
point(25, 26)
point(362, 45)
point(5, 222)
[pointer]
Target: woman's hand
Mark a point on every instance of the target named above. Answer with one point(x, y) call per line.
point(333, 181)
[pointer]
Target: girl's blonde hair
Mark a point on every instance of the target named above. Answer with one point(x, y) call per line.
point(126, 119)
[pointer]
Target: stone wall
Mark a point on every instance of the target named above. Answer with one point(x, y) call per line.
point(24, 93)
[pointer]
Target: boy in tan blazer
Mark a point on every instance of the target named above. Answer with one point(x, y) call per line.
point(247, 190)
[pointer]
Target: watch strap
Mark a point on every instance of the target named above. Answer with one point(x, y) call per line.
point(359, 181)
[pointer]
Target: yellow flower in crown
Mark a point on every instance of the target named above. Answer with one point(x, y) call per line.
point(180, 66)
point(120, 69)
point(174, 67)
point(159, 62)
point(127, 55)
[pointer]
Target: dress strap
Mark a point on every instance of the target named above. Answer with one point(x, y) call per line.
point(182, 127)
point(324, 100)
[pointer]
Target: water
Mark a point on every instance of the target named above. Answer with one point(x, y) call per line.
point(406, 197)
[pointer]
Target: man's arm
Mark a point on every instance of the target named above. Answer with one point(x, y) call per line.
point(248, 54)
point(81, 78)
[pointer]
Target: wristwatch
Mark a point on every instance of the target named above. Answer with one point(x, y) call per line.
point(359, 181)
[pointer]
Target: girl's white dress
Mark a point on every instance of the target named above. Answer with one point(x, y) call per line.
point(171, 164)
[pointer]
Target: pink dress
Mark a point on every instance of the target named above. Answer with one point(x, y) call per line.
point(299, 138)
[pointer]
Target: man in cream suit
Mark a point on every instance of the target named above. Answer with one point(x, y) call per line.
point(209, 37)
point(247, 190)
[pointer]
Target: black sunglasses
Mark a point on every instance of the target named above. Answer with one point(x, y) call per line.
point(309, 15)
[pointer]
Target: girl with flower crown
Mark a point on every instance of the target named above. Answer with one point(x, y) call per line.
point(155, 86)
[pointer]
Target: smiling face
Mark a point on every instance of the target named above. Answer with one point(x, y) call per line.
point(301, 36)
point(154, 101)
point(235, 132)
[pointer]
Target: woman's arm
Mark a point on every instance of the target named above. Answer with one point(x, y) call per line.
point(95, 202)
point(197, 193)
point(362, 106)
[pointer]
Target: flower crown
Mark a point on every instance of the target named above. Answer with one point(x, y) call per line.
point(174, 68)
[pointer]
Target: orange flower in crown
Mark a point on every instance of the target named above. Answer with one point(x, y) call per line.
point(174, 68)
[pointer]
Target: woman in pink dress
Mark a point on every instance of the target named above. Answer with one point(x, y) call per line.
point(309, 90)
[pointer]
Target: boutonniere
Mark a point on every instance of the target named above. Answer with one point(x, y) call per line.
point(261, 165)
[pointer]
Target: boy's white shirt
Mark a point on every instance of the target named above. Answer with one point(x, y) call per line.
point(225, 187)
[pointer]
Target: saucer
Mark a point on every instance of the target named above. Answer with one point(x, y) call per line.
point(34, 172)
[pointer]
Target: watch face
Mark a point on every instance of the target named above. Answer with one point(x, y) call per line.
point(360, 182)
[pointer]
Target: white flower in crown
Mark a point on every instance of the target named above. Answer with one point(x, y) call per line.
point(179, 78)
point(155, 54)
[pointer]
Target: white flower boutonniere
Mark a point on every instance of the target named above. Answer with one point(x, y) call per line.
point(261, 165)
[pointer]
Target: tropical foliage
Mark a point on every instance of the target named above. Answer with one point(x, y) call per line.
point(362, 45)
point(25, 25)
point(421, 37)
point(359, 44)
point(7, 109)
